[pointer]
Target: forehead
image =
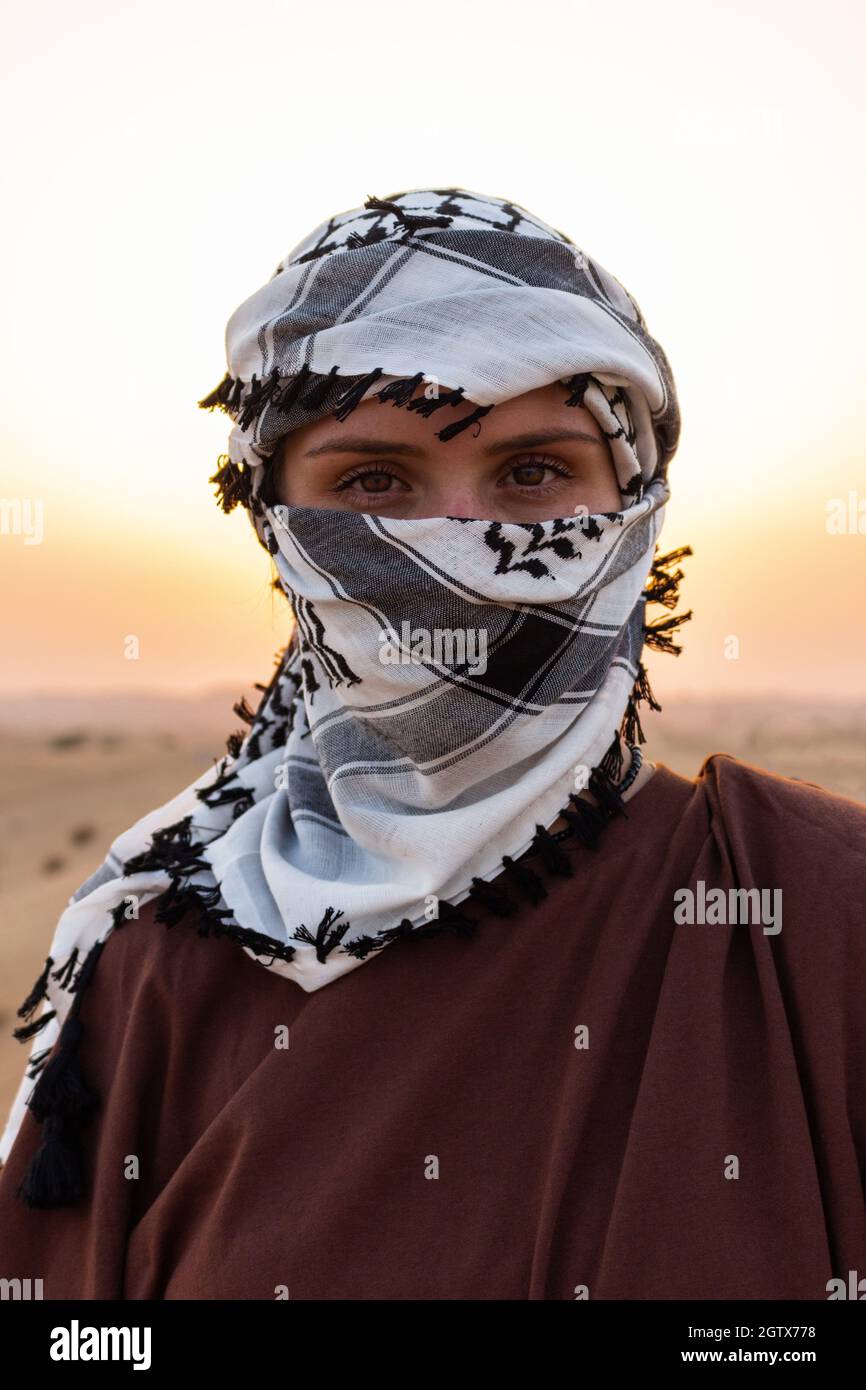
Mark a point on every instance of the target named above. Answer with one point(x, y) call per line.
point(544, 406)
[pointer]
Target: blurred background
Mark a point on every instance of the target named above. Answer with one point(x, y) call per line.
point(160, 158)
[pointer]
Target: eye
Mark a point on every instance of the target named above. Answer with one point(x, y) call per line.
point(533, 471)
point(378, 478)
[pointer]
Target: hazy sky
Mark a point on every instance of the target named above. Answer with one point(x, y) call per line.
point(160, 158)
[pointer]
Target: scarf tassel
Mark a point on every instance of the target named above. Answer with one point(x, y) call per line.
point(412, 222)
point(61, 1100)
point(462, 424)
point(554, 859)
point(29, 1030)
point(657, 635)
point(225, 797)
point(170, 848)
point(55, 1176)
point(611, 763)
point(494, 896)
point(329, 933)
point(225, 778)
point(220, 395)
point(234, 744)
point(233, 483)
point(663, 583)
point(400, 392)
point(286, 397)
point(258, 396)
point(577, 387)
point(526, 879)
point(181, 899)
point(425, 405)
point(586, 821)
point(38, 992)
point(318, 394)
point(454, 919)
point(64, 974)
point(353, 396)
point(243, 711)
point(38, 1062)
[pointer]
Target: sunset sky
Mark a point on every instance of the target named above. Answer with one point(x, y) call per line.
point(160, 159)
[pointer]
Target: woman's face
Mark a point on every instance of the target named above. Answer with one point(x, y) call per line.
point(532, 459)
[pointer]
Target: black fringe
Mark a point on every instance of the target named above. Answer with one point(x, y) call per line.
point(219, 396)
point(29, 1030)
point(525, 878)
point(118, 915)
point(258, 396)
point(169, 847)
point(284, 398)
point(352, 397)
point(411, 221)
point(662, 587)
point(555, 860)
point(401, 392)
point(38, 992)
point(61, 1100)
point(224, 797)
point(243, 711)
point(612, 762)
point(632, 730)
point(318, 394)
point(425, 405)
point(577, 386)
point(64, 974)
point(663, 583)
point(586, 821)
point(37, 1062)
point(234, 483)
point(657, 635)
point(462, 424)
point(181, 900)
point(495, 897)
point(327, 936)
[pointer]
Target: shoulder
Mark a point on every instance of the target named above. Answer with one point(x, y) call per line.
point(786, 831)
point(174, 977)
point(805, 808)
point(143, 951)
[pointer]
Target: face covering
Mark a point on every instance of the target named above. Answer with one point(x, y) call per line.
point(450, 684)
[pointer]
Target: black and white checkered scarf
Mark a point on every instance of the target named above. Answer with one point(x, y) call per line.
point(450, 684)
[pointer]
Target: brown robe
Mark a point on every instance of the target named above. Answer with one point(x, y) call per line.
point(433, 1130)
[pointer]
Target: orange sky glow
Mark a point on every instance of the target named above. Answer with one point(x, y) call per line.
point(156, 170)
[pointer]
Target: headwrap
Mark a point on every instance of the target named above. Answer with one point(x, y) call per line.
point(394, 774)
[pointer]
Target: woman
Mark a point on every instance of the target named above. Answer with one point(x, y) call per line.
point(470, 1000)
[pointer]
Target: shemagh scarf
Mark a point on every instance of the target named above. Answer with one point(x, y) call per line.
point(450, 684)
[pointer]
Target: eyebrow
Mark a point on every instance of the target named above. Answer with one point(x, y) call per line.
point(341, 445)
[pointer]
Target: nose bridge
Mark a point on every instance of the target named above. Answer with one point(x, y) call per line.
point(457, 482)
